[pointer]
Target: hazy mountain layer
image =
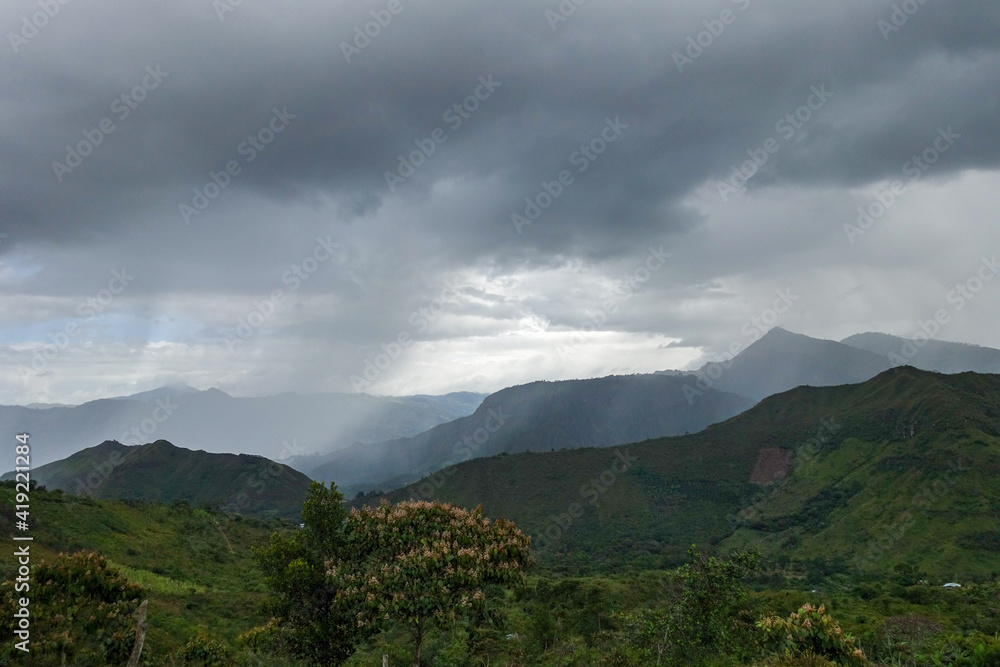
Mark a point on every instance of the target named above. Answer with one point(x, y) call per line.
point(278, 427)
point(782, 360)
point(929, 355)
point(538, 417)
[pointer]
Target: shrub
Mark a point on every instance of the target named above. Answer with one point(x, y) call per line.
point(706, 615)
point(204, 651)
point(82, 611)
point(974, 650)
point(905, 636)
point(811, 629)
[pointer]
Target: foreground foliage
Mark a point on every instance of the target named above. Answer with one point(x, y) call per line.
point(344, 577)
point(706, 614)
point(204, 589)
point(80, 613)
point(812, 630)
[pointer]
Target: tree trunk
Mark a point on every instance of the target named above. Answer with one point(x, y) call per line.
point(418, 640)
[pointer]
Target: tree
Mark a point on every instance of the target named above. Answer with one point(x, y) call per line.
point(422, 563)
point(705, 614)
point(311, 616)
point(81, 613)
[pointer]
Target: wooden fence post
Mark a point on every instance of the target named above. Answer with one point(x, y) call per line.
point(140, 635)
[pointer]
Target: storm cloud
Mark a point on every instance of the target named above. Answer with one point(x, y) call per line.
point(466, 195)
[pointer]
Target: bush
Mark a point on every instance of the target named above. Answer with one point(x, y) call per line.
point(82, 611)
point(706, 616)
point(204, 651)
point(811, 629)
point(975, 650)
point(904, 636)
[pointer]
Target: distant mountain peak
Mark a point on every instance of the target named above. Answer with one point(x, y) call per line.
point(781, 334)
point(215, 391)
point(175, 389)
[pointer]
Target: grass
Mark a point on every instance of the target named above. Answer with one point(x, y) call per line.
point(157, 583)
point(196, 565)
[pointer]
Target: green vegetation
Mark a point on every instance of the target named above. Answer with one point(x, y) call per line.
point(309, 617)
point(825, 521)
point(710, 607)
point(848, 479)
point(195, 566)
point(81, 610)
point(341, 579)
point(811, 631)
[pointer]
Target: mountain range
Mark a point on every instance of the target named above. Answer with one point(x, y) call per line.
point(539, 416)
point(608, 411)
point(902, 467)
point(286, 427)
point(851, 463)
point(781, 360)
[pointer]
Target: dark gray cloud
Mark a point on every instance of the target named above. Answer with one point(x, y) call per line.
point(679, 132)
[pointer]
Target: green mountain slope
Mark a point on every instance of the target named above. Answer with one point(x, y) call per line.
point(813, 473)
point(159, 471)
point(196, 565)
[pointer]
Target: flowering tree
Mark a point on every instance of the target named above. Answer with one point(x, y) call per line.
point(421, 563)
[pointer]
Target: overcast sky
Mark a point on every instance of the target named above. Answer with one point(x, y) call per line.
point(125, 264)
